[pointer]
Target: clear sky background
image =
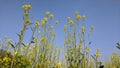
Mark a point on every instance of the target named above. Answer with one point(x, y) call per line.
point(103, 14)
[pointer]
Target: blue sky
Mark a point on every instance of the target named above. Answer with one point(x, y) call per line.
point(103, 14)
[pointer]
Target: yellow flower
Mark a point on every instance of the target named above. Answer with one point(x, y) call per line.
point(51, 16)
point(92, 28)
point(71, 22)
point(66, 41)
point(0, 60)
point(34, 46)
point(43, 22)
point(48, 61)
point(97, 54)
point(47, 13)
point(8, 51)
point(9, 41)
point(45, 19)
point(65, 27)
point(27, 21)
point(114, 66)
point(83, 29)
point(43, 39)
point(16, 53)
point(76, 13)
point(26, 7)
point(68, 19)
point(6, 59)
point(37, 24)
point(83, 17)
point(78, 17)
point(56, 22)
point(59, 64)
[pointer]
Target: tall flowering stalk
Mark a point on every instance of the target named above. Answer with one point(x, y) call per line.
point(26, 22)
point(76, 51)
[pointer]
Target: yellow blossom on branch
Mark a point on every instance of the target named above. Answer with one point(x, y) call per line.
point(29, 6)
point(68, 19)
point(47, 13)
point(114, 66)
point(8, 51)
point(9, 41)
point(59, 65)
point(43, 39)
point(26, 7)
point(42, 22)
point(76, 13)
point(78, 17)
point(15, 53)
point(97, 54)
point(71, 22)
point(27, 21)
point(6, 59)
point(51, 16)
point(37, 24)
point(45, 19)
point(92, 28)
